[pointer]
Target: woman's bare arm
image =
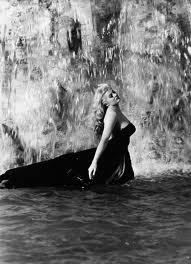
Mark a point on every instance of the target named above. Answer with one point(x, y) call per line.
point(109, 123)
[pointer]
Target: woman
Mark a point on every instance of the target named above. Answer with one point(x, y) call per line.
point(109, 163)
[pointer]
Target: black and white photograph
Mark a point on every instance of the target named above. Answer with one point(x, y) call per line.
point(95, 131)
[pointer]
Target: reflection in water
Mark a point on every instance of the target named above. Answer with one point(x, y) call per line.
point(147, 221)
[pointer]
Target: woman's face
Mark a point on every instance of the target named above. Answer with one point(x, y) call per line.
point(111, 98)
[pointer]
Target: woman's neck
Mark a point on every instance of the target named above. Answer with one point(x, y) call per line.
point(115, 107)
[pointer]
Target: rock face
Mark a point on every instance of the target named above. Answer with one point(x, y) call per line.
point(39, 42)
point(82, 11)
point(55, 52)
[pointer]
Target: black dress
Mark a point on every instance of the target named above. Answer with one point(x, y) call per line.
point(71, 169)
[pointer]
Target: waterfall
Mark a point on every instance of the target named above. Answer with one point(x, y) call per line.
point(154, 38)
point(54, 53)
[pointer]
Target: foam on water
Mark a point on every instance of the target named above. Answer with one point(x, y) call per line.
point(151, 169)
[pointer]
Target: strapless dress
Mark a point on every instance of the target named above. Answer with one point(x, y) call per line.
point(71, 170)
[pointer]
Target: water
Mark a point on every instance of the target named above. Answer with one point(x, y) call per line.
point(148, 221)
point(143, 48)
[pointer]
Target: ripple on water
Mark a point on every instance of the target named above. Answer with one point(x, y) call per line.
point(145, 222)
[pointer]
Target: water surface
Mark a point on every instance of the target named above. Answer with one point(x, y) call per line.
point(148, 221)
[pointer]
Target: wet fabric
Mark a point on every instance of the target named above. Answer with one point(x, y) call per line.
point(114, 167)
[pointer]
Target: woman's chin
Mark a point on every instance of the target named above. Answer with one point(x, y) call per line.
point(117, 101)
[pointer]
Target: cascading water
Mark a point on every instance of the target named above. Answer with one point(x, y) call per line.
point(53, 55)
point(155, 46)
point(44, 95)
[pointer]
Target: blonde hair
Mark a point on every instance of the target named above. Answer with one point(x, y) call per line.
point(100, 108)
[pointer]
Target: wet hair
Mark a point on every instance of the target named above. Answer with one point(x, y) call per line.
point(100, 108)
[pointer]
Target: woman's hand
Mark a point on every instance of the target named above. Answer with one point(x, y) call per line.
point(92, 170)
